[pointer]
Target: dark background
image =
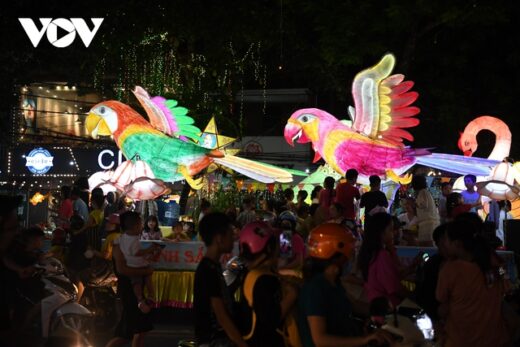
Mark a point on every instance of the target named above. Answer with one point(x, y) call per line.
point(463, 55)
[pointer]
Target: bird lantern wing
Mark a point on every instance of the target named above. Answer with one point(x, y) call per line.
point(166, 116)
point(383, 103)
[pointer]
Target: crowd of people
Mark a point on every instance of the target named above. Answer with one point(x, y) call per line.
point(298, 257)
point(462, 287)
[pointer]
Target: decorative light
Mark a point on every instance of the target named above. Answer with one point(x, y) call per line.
point(73, 87)
point(58, 88)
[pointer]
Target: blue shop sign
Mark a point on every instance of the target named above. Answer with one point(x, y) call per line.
point(39, 161)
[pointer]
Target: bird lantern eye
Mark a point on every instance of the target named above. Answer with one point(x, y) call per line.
point(306, 118)
point(102, 110)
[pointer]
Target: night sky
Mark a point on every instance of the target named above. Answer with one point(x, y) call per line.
point(463, 55)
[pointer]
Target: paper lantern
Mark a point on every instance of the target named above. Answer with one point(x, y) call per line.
point(101, 179)
point(498, 190)
point(500, 184)
point(468, 139)
point(123, 175)
point(145, 188)
point(373, 142)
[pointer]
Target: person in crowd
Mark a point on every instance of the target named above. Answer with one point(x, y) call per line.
point(136, 257)
point(94, 221)
point(212, 301)
point(408, 221)
point(110, 208)
point(427, 214)
point(179, 233)
point(347, 194)
point(151, 229)
point(397, 231)
point(78, 205)
point(65, 211)
point(374, 198)
point(292, 246)
point(248, 214)
point(113, 232)
point(77, 263)
point(311, 220)
point(336, 213)
point(446, 190)
point(271, 298)
point(302, 227)
point(324, 311)
point(380, 271)
point(470, 195)
point(315, 194)
point(301, 197)
point(133, 324)
point(326, 198)
point(267, 205)
point(205, 208)
point(58, 242)
point(470, 288)
point(288, 194)
point(22, 256)
point(456, 206)
point(428, 275)
point(8, 229)
point(25, 251)
point(504, 214)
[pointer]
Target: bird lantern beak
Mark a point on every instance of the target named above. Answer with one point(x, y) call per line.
point(292, 132)
point(96, 126)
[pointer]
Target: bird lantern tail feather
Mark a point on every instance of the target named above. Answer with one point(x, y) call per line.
point(255, 170)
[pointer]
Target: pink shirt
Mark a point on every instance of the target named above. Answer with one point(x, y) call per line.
point(383, 278)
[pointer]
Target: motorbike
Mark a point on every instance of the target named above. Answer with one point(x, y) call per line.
point(100, 295)
point(55, 316)
point(408, 324)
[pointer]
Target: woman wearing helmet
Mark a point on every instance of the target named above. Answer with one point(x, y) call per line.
point(324, 309)
point(292, 246)
point(263, 306)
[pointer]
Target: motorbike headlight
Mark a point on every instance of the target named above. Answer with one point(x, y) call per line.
point(424, 323)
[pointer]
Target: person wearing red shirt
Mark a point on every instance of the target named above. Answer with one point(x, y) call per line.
point(347, 192)
point(65, 210)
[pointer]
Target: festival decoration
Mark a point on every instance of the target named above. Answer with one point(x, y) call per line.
point(135, 180)
point(372, 142)
point(171, 158)
point(101, 179)
point(211, 139)
point(500, 184)
point(38, 198)
point(468, 139)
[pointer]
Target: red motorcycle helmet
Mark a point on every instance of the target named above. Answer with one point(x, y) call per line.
point(255, 235)
point(328, 239)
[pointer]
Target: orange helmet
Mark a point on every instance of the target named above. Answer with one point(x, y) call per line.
point(328, 239)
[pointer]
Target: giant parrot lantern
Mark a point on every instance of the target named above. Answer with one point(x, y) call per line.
point(167, 142)
point(372, 141)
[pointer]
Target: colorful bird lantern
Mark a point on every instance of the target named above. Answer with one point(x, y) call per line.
point(372, 141)
point(167, 142)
